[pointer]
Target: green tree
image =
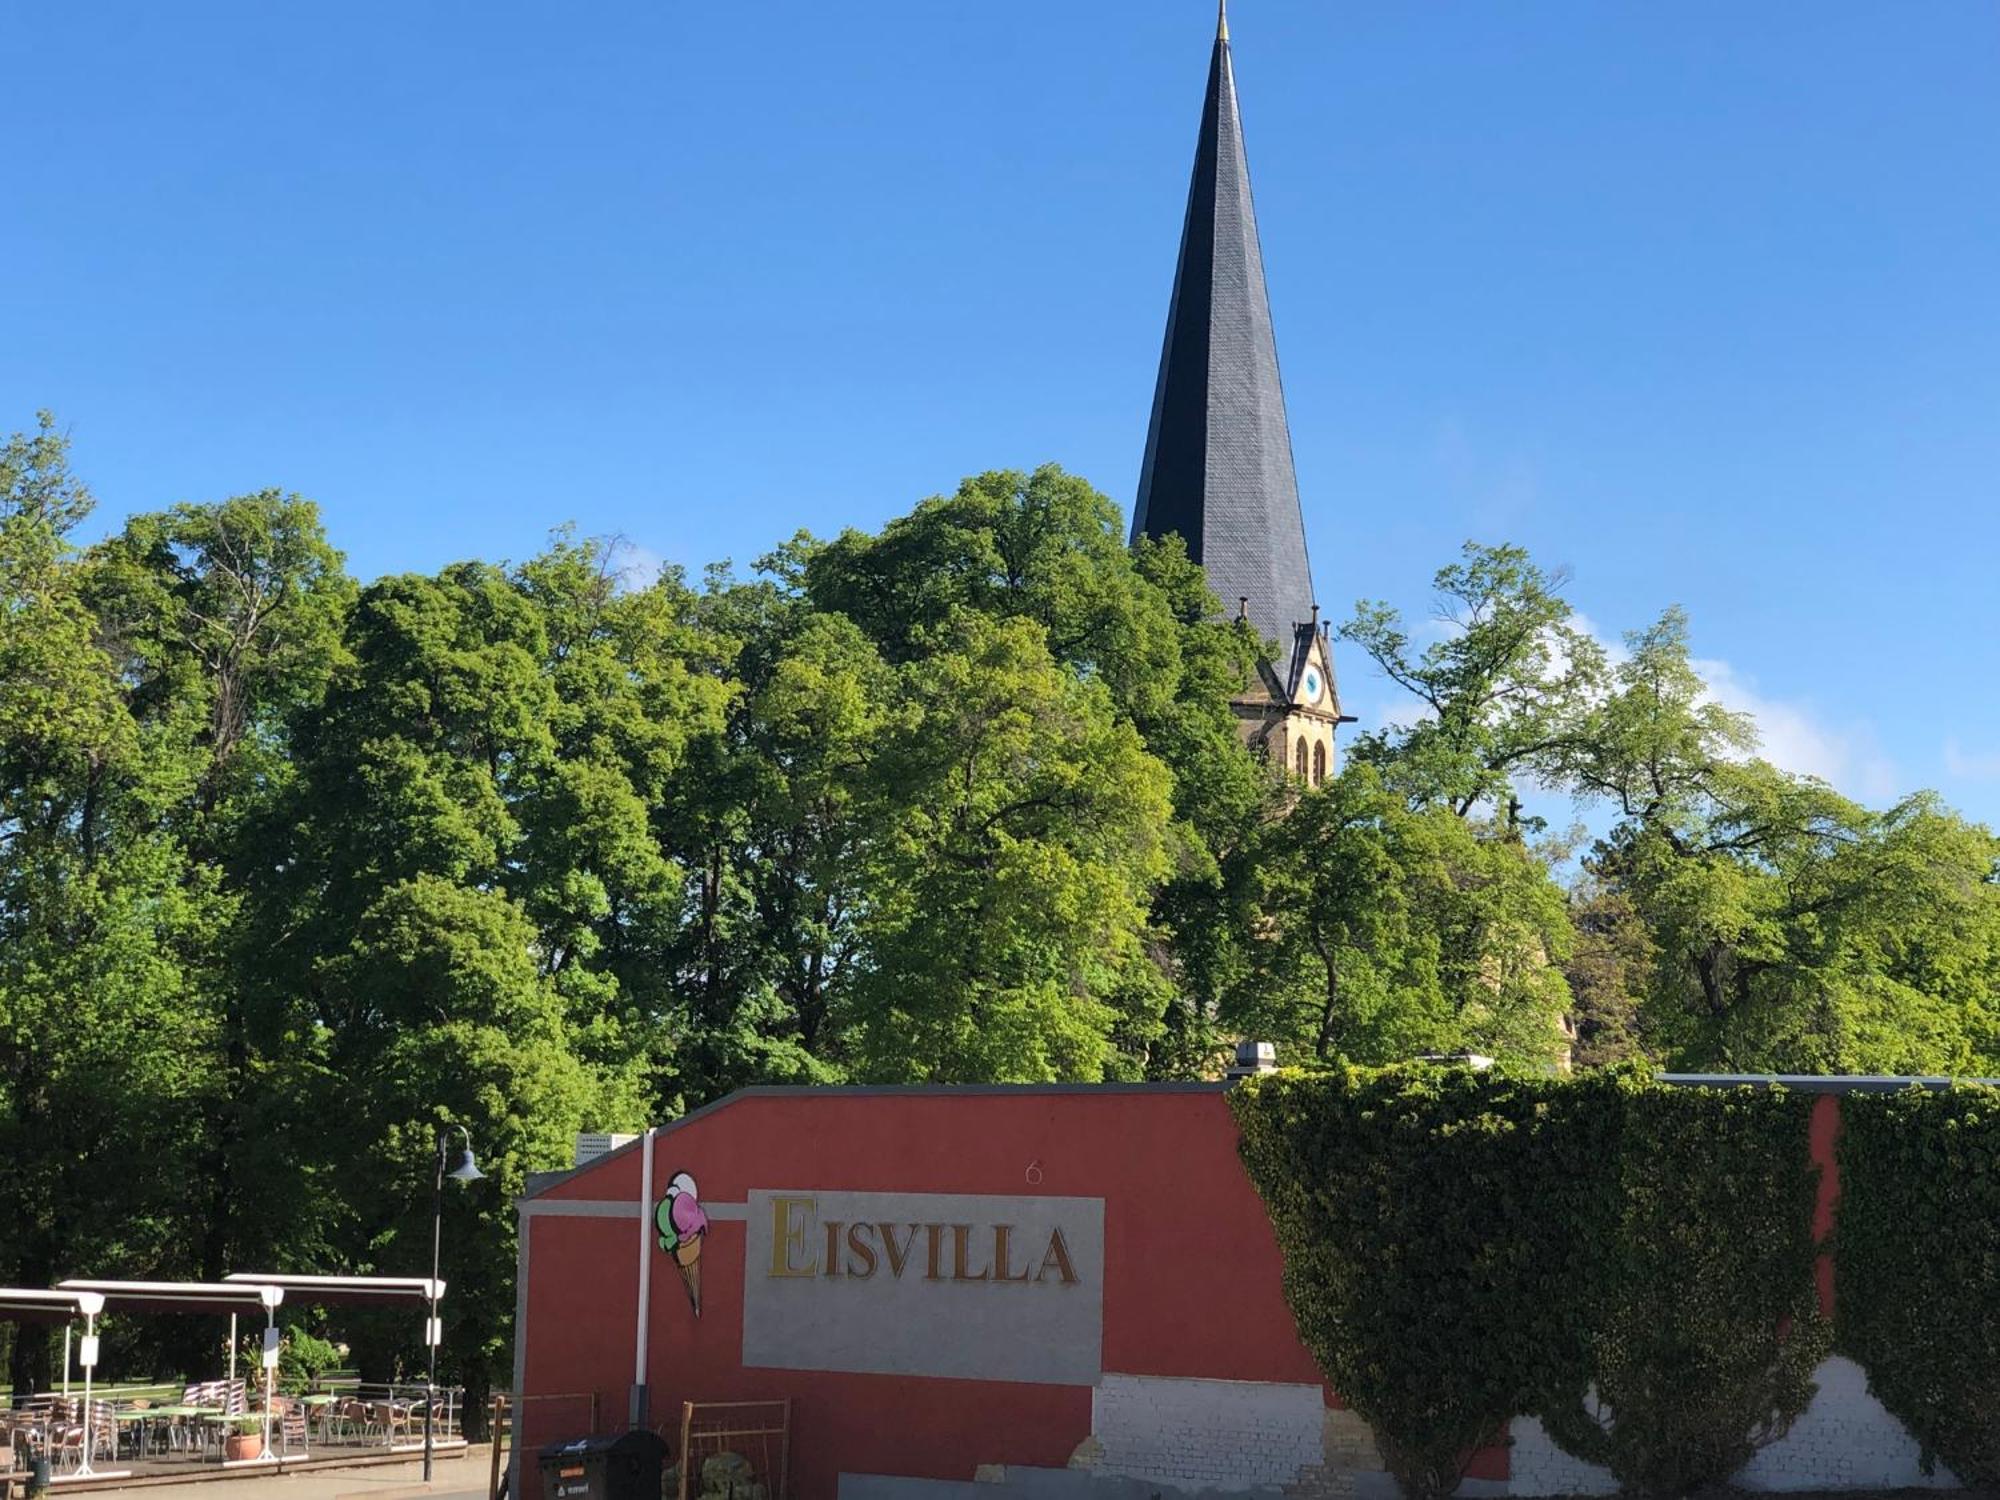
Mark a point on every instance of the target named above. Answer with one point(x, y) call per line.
point(1203, 915)
point(1501, 689)
point(104, 926)
point(1009, 900)
point(637, 686)
point(1609, 968)
point(398, 907)
point(1791, 929)
point(225, 620)
point(1387, 932)
point(814, 725)
point(776, 824)
point(451, 1023)
point(1140, 622)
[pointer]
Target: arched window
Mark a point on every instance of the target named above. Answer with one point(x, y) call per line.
point(1319, 764)
point(1302, 760)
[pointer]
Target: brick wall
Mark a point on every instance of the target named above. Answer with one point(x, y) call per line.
point(1845, 1440)
point(1206, 1434)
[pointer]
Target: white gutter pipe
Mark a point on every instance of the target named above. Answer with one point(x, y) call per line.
point(641, 1336)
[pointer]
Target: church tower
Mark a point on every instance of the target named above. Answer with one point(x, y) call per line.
point(1218, 466)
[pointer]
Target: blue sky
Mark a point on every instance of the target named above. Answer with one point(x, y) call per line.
point(1698, 299)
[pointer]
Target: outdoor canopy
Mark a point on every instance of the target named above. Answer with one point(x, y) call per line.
point(178, 1296)
point(23, 1305)
point(361, 1291)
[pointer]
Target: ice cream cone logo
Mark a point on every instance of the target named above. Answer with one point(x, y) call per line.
point(683, 1226)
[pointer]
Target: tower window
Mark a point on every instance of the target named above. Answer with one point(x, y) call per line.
point(1302, 760)
point(1319, 764)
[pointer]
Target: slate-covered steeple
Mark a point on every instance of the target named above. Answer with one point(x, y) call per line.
point(1218, 465)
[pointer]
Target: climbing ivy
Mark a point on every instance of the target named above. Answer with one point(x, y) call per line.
point(1630, 1261)
point(1918, 1265)
point(1428, 1221)
point(1696, 1299)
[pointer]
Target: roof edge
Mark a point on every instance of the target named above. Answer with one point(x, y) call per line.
point(540, 1183)
point(1822, 1083)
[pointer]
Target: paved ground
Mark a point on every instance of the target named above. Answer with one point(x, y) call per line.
point(460, 1476)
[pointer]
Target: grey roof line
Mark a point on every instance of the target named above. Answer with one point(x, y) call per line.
point(544, 1181)
point(1218, 467)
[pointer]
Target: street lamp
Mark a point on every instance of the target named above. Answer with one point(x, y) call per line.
point(467, 1170)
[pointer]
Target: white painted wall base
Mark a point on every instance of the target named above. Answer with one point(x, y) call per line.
point(1536, 1466)
point(1205, 1434)
point(1845, 1440)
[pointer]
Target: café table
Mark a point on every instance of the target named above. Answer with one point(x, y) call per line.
point(320, 1405)
point(139, 1419)
point(194, 1419)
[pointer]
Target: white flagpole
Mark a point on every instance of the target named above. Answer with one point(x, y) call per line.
point(270, 1370)
point(89, 1367)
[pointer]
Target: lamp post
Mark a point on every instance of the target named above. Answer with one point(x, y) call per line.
point(467, 1170)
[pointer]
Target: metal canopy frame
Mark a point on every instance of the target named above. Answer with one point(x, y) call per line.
point(370, 1291)
point(178, 1296)
point(181, 1297)
point(360, 1291)
point(36, 1305)
point(234, 1294)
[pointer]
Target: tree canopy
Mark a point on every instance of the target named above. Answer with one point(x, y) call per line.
point(297, 869)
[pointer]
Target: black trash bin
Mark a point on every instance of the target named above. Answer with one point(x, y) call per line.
point(622, 1467)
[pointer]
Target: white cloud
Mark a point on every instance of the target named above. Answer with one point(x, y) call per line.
point(1792, 734)
point(634, 566)
point(1973, 765)
point(1399, 713)
point(1794, 737)
point(1614, 648)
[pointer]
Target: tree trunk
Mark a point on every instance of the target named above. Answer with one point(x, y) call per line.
point(477, 1409)
point(1330, 1010)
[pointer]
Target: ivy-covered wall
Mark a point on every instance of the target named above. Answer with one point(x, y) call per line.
point(1630, 1262)
point(1917, 1256)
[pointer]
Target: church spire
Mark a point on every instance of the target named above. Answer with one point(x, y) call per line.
point(1218, 465)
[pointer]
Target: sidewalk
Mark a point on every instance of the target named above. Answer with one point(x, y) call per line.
point(459, 1474)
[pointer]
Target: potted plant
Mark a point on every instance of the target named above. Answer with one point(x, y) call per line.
point(246, 1438)
point(302, 1359)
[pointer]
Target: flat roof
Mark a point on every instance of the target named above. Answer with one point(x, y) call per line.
point(353, 1290)
point(46, 1305)
point(539, 1183)
point(178, 1296)
point(1821, 1083)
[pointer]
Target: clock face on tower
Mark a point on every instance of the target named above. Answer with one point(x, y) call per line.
point(1311, 684)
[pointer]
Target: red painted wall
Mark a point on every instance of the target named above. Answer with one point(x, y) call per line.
point(1192, 1272)
point(1191, 1268)
point(1823, 1140)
